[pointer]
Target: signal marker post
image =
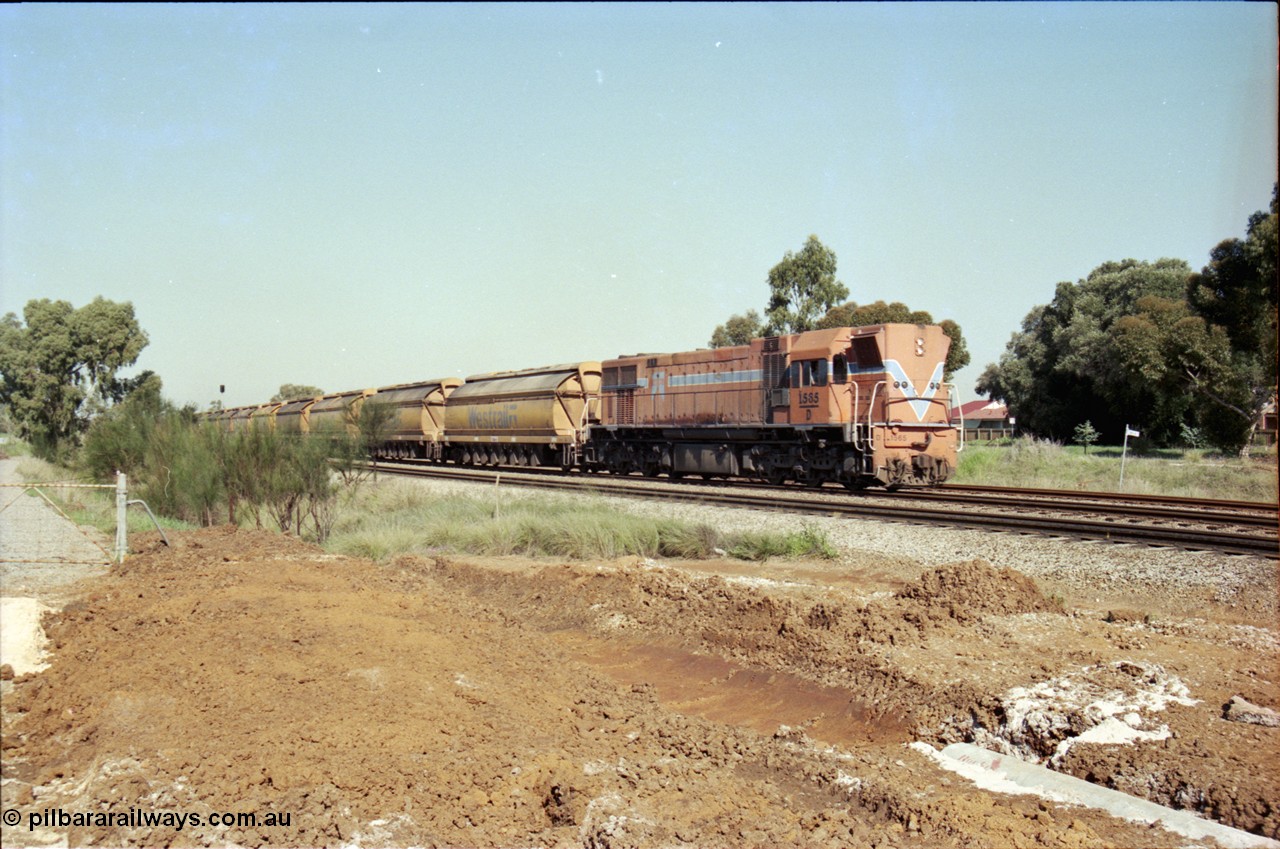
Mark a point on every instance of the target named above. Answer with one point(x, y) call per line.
point(1124, 452)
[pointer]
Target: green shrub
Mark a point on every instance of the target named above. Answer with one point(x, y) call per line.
point(203, 474)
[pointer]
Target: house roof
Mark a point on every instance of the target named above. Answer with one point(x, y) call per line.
point(982, 409)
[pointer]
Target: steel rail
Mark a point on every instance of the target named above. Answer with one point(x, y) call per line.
point(1226, 541)
point(1099, 495)
point(1167, 508)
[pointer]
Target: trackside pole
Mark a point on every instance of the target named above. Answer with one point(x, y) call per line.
point(122, 504)
point(1124, 452)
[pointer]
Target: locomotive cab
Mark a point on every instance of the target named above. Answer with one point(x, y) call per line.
point(882, 386)
point(902, 404)
point(819, 378)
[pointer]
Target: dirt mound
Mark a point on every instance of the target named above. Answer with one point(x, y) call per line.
point(933, 661)
point(227, 542)
point(966, 592)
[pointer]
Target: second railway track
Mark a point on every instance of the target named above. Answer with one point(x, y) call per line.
point(1227, 527)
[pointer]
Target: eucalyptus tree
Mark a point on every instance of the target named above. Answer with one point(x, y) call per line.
point(56, 359)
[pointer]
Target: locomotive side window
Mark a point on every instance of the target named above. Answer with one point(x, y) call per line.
point(840, 371)
point(866, 352)
point(617, 378)
point(809, 373)
point(820, 369)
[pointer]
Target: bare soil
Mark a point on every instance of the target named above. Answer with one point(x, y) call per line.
point(469, 702)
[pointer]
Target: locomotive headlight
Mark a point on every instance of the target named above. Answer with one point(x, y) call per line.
point(919, 346)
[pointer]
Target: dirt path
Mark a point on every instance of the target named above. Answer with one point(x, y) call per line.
point(510, 703)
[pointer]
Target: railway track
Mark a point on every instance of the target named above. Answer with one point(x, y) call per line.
point(1198, 525)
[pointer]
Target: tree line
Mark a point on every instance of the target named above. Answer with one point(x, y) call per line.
point(1189, 357)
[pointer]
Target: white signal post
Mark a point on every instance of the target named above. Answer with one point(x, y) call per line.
point(1124, 452)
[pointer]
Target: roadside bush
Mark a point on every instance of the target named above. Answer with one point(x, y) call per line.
point(120, 440)
point(203, 474)
point(808, 542)
point(181, 476)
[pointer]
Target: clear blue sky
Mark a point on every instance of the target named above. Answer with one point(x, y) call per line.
point(358, 195)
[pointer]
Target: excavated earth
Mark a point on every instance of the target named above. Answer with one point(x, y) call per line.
point(506, 702)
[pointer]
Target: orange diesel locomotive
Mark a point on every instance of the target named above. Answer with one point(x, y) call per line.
point(855, 405)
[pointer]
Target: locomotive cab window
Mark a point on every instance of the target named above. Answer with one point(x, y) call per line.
point(866, 353)
point(809, 373)
point(840, 370)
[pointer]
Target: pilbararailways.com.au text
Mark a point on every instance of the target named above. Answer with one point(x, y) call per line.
point(137, 818)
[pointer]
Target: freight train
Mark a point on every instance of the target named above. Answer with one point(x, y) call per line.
point(858, 406)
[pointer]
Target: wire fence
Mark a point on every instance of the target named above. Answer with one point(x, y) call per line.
point(35, 529)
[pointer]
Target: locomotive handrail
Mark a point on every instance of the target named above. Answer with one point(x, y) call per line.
point(858, 443)
point(871, 406)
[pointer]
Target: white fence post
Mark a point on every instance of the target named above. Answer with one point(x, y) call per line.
point(122, 503)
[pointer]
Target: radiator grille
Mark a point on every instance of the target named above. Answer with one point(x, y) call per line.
point(626, 401)
point(775, 377)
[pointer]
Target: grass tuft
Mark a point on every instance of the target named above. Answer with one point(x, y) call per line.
point(388, 520)
point(1190, 473)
